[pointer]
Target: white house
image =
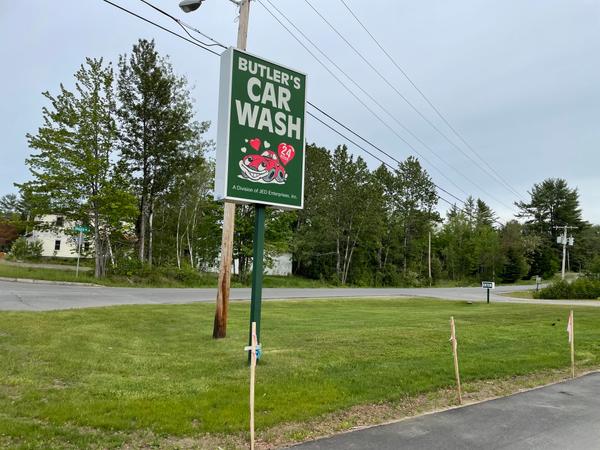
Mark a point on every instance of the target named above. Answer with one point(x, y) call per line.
point(57, 237)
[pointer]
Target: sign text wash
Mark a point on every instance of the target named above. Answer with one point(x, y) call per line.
point(274, 93)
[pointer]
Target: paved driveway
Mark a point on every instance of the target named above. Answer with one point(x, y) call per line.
point(43, 296)
point(563, 416)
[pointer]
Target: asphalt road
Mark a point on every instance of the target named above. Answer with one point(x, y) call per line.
point(563, 416)
point(19, 296)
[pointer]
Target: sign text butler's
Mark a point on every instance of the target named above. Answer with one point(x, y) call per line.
point(260, 142)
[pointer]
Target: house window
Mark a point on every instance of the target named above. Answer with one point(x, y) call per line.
point(57, 244)
point(60, 221)
point(86, 247)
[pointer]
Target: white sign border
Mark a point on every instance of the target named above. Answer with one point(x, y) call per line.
point(224, 126)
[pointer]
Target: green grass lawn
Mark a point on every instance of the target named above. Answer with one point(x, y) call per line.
point(148, 375)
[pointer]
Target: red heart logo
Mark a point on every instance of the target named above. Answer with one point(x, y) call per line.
point(255, 143)
point(286, 153)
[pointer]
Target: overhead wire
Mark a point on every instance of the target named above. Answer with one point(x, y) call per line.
point(426, 98)
point(376, 157)
point(374, 100)
point(363, 103)
point(193, 42)
point(377, 116)
point(394, 88)
point(185, 26)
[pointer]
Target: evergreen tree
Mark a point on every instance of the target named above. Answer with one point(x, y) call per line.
point(156, 130)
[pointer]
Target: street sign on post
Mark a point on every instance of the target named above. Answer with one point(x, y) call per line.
point(81, 229)
point(260, 134)
point(488, 285)
point(260, 146)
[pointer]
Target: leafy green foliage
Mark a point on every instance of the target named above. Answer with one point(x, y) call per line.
point(22, 249)
point(73, 170)
point(580, 289)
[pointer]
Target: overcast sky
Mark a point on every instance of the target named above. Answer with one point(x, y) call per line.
point(520, 80)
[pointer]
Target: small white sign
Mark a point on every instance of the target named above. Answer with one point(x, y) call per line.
point(488, 285)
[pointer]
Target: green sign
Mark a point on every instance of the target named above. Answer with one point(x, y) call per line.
point(260, 137)
point(81, 229)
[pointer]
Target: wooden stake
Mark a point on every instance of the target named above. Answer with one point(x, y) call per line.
point(455, 353)
point(572, 339)
point(252, 349)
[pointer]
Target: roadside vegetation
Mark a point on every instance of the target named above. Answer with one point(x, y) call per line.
point(145, 376)
point(145, 194)
point(580, 289)
point(157, 277)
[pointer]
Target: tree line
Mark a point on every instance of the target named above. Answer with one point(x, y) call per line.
point(122, 153)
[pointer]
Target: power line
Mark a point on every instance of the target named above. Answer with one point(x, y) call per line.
point(184, 26)
point(194, 42)
point(429, 102)
point(396, 90)
point(371, 154)
point(309, 113)
point(377, 148)
point(366, 94)
point(379, 159)
point(361, 101)
point(376, 102)
point(369, 143)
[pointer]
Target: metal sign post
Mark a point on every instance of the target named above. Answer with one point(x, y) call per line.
point(488, 285)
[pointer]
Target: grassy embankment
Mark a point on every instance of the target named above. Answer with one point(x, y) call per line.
point(151, 376)
point(154, 280)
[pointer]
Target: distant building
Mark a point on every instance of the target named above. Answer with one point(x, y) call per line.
point(280, 265)
point(55, 233)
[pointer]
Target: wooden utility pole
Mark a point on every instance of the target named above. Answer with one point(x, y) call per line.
point(220, 324)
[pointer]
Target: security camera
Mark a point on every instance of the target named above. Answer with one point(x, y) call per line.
point(190, 5)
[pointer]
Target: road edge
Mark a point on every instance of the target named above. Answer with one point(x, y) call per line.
point(36, 281)
point(439, 410)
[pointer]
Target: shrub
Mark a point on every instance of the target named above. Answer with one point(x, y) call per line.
point(580, 289)
point(22, 249)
